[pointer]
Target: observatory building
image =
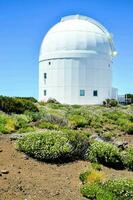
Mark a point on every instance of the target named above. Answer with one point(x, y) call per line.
point(75, 62)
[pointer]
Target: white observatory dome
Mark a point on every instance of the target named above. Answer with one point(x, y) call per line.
point(79, 33)
point(75, 62)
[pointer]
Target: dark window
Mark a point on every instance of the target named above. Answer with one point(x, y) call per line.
point(45, 75)
point(49, 63)
point(95, 93)
point(45, 92)
point(82, 93)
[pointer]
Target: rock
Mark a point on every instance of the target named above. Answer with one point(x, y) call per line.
point(121, 145)
point(1, 150)
point(0, 174)
point(16, 136)
point(26, 157)
point(54, 194)
point(57, 193)
point(93, 137)
point(4, 171)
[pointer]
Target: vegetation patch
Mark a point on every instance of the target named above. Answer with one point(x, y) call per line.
point(92, 176)
point(105, 153)
point(96, 186)
point(53, 145)
point(16, 105)
point(127, 157)
point(7, 123)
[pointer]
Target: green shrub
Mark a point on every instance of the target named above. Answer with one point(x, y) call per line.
point(117, 189)
point(121, 188)
point(21, 120)
point(79, 141)
point(83, 176)
point(96, 166)
point(53, 145)
point(127, 157)
point(130, 128)
point(7, 123)
point(27, 129)
point(105, 153)
point(55, 119)
point(16, 105)
point(110, 103)
point(47, 125)
point(107, 135)
point(95, 191)
point(32, 99)
point(125, 125)
point(51, 100)
point(35, 116)
point(92, 176)
point(77, 121)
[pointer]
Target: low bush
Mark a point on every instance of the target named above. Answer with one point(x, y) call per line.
point(35, 116)
point(7, 123)
point(22, 120)
point(28, 98)
point(121, 188)
point(110, 103)
point(96, 166)
point(53, 145)
point(27, 129)
point(47, 125)
point(130, 128)
point(79, 141)
point(92, 176)
point(117, 189)
point(83, 176)
point(95, 191)
point(77, 121)
point(127, 157)
point(16, 105)
point(96, 187)
point(51, 100)
point(105, 153)
point(55, 119)
point(107, 135)
point(125, 125)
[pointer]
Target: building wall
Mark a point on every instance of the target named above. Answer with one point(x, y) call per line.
point(67, 76)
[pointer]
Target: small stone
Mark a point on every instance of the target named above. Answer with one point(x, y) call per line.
point(26, 157)
point(15, 136)
point(57, 193)
point(121, 145)
point(4, 171)
point(1, 150)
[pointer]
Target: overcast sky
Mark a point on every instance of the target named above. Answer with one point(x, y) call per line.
point(23, 24)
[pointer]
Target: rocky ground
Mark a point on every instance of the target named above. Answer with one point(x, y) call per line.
point(23, 178)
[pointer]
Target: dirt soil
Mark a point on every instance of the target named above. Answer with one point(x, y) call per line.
point(29, 179)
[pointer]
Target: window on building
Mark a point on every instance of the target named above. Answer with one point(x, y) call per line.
point(49, 63)
point(45, 75)
point(45, 92)
point(82, 92)
point(95, 93)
